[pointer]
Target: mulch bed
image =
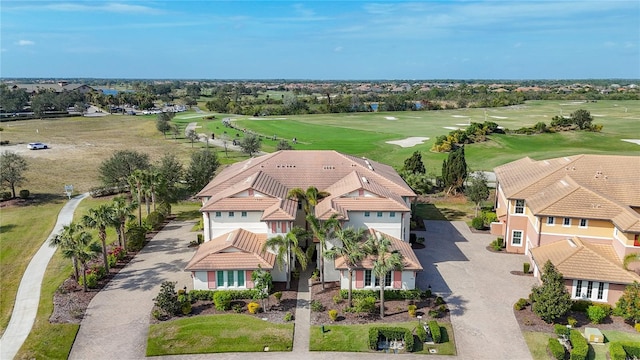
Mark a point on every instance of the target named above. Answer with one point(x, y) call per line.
point(395, 310)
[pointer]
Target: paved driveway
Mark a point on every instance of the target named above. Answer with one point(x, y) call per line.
point(116, 323)
point(478, 287)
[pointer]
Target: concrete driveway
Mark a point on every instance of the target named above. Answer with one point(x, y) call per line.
point(116, 323)
point(478, 287)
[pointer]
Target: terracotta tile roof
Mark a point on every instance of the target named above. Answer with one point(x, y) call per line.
point(577, 259)
point(235, 250)
point(586, 186)
point(409, 258)
point(241, 204)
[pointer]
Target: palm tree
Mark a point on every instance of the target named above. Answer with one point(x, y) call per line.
point(84, 252)
point(100, 218)
point(135, 183)
point(323, 230)
point(386, 260)
point(156, 184)
point(353, 250)
point(67, 239)
point(287, 249)
point(310, 198)
point(122, 212)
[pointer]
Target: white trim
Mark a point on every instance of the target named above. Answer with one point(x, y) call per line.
point(595, 285)
point(565, 225)
point(521, 237)
point(515, 207)
point(581, 236)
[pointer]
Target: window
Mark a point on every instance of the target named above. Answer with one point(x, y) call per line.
point(636, 240)
point(392, 214)
point(366, 214)
point(566, 222)
point(379, 214)
point(519, 207)
point(230, 278)
point(600, 291)
point(231, 214)
point(551, 221)
point(367, 278)
point(578, 288)
point(299, 205)
point(243, 214)
point(583, 223)
point(387, 279)
point(589, 289)
point(220, 278)
point(218, 214)
point(516, 238)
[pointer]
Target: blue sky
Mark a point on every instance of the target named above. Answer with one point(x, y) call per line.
point(341, 40)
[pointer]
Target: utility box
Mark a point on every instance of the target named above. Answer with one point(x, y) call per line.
point(593, 335)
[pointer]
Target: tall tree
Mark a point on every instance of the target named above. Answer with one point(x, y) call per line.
point(203, 166)
point(68, 239)
point(171, 170)
point(477, 191)
point(310, 198)
point(287, 249)
point(454, 170)
point(116, 170)
point(192, 136)
point(123, 212)
point(582, 118)
point(386, 260)
point(136, 183)
point(323, 231)
point(353, 250)
point(162, 123)
point(551, 300)
point(100, 218)
point(250, 144)
point(85, 251)
point(283, 145)
point(414, 163)
point(12, 168)
point(628, 306)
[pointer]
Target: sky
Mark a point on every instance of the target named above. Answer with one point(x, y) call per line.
point(321, 40)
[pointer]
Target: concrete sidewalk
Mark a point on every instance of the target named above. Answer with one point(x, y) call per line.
point(301, 333)
point(116, 322)
point(28, 296)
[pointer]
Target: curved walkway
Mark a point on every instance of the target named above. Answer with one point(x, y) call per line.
point(28, 297)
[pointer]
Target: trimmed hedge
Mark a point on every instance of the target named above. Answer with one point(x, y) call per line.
point(631, 348)
point(556, 349)
point(581, 305)
point(415, 294)
point(596, 314)
point(222, 298)
point(560, 329)
point(579, 346)
point(616, 351)
point(390, 333)
point(421, 333)
point(436, 334)
point(204, 295)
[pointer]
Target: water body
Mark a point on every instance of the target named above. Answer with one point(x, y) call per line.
point(112, 91)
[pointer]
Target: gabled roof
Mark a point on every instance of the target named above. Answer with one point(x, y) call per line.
point(577, 259)
point(236, 250)
point(409, 258)
point(585, 186)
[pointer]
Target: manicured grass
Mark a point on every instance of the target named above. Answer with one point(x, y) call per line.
point(355, 338)
point(537, 343)
point(187, 210)
point(218, 333)
point(21, 235)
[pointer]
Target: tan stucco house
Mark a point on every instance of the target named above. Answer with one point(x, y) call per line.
point(581, 212)
point(248, 202)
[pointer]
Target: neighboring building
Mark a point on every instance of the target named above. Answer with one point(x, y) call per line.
point(249, 198)
point(581, 212)
point(59, 87)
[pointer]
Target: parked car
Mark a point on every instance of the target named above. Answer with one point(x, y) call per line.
point(37, 146)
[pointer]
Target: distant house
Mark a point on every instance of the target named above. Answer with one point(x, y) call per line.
point(581, 212)
point(59, 87)
point(248, 202)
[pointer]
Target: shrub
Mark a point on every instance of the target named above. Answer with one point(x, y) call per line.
point(100, 271)
point(596, 314)
point(204, 295)
point(632, 348)
point(434, 313)
point(560, 329)
point(579, 346)
point(439, 300)
point(337, 299)
point(426, 294)
point(91, 279)
point(637, 327)
point(606, 307)
point(616, 351)
point(288, 316)
point(112, 260)
point(186, 308)
point(572, 321)
point(412, 236)
point(477, 223)
point(253, 307)
point(412, 310)
point(316, 306)
point(222, 300)
point(237, 308)
point(415, 294)
point(200, 238)
point(556, 349)
point(390, 333)
point(581, 305)
point(164, 208)
point(489, 217)
point(154, 219)
point(497, 244)
point(526, 267)
point(136, 237)
point(364, 305)
point(421, 333)
point(333, 314)
point(277, 295)
point(436, 335)
point(5, 195)
point(521, 304)
point(420, 240)
point(24, 194)
point(167, 299)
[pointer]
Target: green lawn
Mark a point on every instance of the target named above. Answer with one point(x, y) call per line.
point(218, 333)
point(354, 338)
point(537, 343)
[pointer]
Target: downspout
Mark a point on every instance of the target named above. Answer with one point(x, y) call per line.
point(506, 235)
point(539, 232)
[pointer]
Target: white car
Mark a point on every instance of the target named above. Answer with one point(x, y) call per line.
point(36, 146)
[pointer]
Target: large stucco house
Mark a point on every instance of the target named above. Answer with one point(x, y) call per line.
point(247, 203)
point(580, 212)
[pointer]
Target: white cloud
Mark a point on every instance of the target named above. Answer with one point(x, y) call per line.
point(25, 43)
point(87, 7)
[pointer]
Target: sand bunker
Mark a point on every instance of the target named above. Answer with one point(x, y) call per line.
point(391, 118)
point(450, 127)
point(463, 124)
point(498, 117)
point(409, 142)
point(597, 115)
point(633, 141)
point(459, 116)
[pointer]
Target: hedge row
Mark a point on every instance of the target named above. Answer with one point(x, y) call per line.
point(436, 334)
point(620, 350)
point(421, 333)
point(222, 298)
point(390, 333)
point(579, 346)
point(556, 349)
point(415, 294)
